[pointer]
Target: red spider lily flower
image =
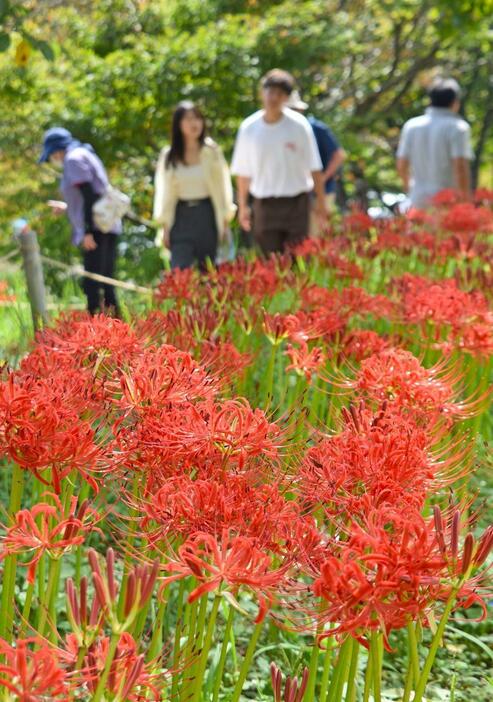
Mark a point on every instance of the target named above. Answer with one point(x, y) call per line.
point(441, 302)
point(483, 196)
point(475, 339)
point(357, 222)
point(81, 390)
point(354, 300)
point(161, 376)
point(359, 344)
point(47, 528)
point(183, 506)
point(180, 285)
point(230, 431)
point(139, 587)
point(278, 327)
point(378, 461)
point(39, 429)
point(309, 247)
point(32, 672)
point(291, 691)
point(395, 375)
point(223, 360)
point(417, 216)
point(199, 435)
point(445, 198)
point(466, 217)
point(257, 279)
point(234, 562)
point(91, 340)
point(382, 576)
point(344, 268)
point(305, 361)
point(391, 570)
point(130, 679)
point(316, 297)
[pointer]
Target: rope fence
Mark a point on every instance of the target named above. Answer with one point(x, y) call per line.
point(77, 270)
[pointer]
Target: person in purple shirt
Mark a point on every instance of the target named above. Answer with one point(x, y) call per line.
point(84, 181)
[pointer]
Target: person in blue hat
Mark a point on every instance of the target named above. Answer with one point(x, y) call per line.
point(84, 180)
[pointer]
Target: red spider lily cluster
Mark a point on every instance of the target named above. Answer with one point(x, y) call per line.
point(271, 441)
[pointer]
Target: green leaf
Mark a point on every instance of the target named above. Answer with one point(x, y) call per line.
point(46, 49)
point(40, 45)
point(4, 41)
point(472, 638)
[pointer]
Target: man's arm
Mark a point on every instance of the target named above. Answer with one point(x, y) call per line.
point(334, 164)
point(462, 177)
point(244, 214)
point(403, 171)
point(319, 189)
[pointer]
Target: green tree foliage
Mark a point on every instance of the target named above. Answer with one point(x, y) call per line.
point(119, 67)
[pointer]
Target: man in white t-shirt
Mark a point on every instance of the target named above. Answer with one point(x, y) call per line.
point(435, 150)
point(277, 162)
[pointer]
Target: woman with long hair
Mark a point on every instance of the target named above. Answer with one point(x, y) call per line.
point(193, 201)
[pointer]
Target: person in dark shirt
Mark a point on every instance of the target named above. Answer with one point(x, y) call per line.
point(331, 154)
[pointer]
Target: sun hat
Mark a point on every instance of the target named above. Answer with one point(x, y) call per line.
point(55, 139)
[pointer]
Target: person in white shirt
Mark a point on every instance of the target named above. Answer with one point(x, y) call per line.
point(435, 150)
point(193, 199)
point(277, 163)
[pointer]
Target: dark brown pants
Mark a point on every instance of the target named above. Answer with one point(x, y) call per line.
point(280, 221)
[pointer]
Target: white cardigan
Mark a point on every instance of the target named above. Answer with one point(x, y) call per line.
point(218, 181)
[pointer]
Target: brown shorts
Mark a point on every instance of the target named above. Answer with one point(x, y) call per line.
point(280, 221)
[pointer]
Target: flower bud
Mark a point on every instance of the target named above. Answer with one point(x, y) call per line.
point(467, 553)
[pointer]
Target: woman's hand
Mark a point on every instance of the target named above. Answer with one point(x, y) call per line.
point(224, 233)
point(58, 207)
point(166, 238)
point(245, 218)
point(88, 243)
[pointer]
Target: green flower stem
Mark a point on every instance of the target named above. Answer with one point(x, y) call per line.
point(80, 657)
point(177, 644)
point(41, 581)
point(98, 695)
point(206, 647)
point(48, 602)
point(7, 605)
point(376, 664)
point(189, 659)
point(312, 675)
point(324, 682)
point(247, 660)
point(269, 378)
point(224, 653)
point(412, 643)
point(368, 677)
point(201, 623)
point(406, 695)
point(157, 635)
point(197, 629)
point(435, 643)
point(353, 670)
point(26, 611)
point(313, 668)
point(340, 672)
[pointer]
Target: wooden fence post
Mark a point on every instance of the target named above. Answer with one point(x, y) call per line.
point(33, 269)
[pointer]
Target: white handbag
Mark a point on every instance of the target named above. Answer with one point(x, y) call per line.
point(109, 209)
